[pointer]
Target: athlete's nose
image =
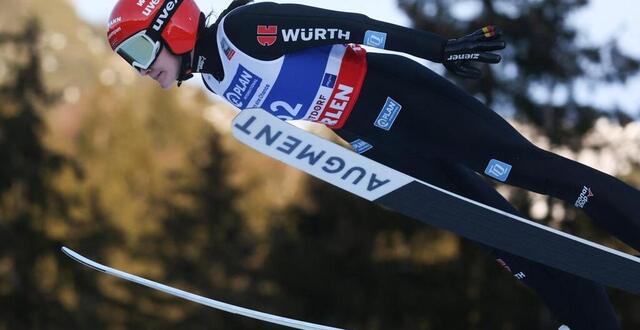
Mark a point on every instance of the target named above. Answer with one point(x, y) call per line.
point(145, 72)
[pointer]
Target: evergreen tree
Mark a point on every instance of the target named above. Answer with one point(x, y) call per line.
point(543, 57)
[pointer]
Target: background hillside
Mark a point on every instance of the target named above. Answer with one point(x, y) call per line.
point(149, 181)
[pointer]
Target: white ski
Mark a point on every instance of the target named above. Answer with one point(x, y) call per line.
point(433, 205)
point(291, 323)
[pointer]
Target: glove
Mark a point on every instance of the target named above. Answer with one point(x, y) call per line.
point(460, 53)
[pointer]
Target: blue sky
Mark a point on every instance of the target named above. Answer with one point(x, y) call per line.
point(600, 22)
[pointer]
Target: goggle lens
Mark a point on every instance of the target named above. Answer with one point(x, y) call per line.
point(139, 50)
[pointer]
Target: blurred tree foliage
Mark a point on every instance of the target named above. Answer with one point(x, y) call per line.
point(544, 57)
point(27, 197)
point(145, 187)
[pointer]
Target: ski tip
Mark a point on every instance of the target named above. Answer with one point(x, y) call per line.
point(66, 251)
point(71, 254)
point(75, 256)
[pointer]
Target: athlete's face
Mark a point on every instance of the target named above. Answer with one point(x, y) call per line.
point(165, 69)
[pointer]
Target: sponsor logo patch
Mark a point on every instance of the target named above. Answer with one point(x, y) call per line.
point(498, 170)
point(114, 32)
point(316, 156)
point(457, 57)
point(114, 21)
point(337, 105)
point(242, 88)
point(201, 61)
point(149, 8)
point(162, 19)
point(584, 197)
point(329, 80)
point(388, 115)
point(375, 39)
point(228, 51)
point(360, 146)
point(267, 35)
point(520, 276)
point(314, 34)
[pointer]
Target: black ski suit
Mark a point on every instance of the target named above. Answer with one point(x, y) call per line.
point(417, 122)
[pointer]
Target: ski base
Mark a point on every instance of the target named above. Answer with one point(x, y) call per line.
point(433, 205)
point(287, 322)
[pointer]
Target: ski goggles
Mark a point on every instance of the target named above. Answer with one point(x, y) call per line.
point(139, 50)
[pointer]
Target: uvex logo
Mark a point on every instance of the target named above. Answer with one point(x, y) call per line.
point(162, 19)
point(267, 34)
point(149, 8)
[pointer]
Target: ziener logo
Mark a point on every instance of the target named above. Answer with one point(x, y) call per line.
point(456, 57)
point(583, 199)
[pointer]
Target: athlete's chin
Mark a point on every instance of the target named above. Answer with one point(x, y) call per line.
point(166, 80)
point(166, 83)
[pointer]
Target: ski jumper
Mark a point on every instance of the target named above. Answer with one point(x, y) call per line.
point(301, 62)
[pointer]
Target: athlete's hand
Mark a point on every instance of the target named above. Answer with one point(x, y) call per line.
point(476, 47)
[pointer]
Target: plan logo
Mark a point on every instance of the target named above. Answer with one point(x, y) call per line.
point(388, 115)
point(360, 146)
point(584, 197)
point(267, 35)
point(242, 88)
point(375, 39)
point(498, 170)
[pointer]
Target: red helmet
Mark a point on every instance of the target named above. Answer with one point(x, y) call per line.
point(174, 23)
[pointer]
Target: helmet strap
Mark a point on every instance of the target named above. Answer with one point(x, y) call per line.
point(185, 68)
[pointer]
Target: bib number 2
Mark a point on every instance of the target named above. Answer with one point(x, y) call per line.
point(285, 111)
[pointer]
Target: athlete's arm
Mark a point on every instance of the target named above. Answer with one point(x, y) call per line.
point(268, 30)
